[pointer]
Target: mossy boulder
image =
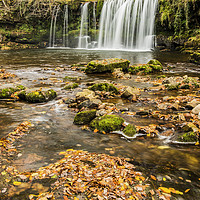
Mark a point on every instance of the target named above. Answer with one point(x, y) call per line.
point(188, 137)
point(37, 96)
point(69, 86)
point(107, 65)
point(104, 87)
point(107, 123)
point(130, 130)
point(153, 66)
point(72, 78)
point(6, 93)
point(84, 117)
point(154, 62)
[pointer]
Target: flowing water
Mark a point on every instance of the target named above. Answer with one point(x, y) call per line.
point(83, 37)
point(127, 24)
point(54, 130)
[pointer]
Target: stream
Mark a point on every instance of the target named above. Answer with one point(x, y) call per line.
point(174, 165)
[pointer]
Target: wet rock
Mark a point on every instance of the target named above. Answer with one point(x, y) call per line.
point(188, 137)
point(69, 100)
point(142, 112)
point(130, 93)
point(101, 112)
point(73, 105)
point(153, 66)
point(85, 95)
point(118, 73)
point(196, 110)
point(192, 104)
point(190, 127)
point(107, 65)
point(104, 87)
point(6, 93)
point(130, 130)
point(84, 117)
point(107, 123)
point(69, 86)
point(37, 96)
point(90, 103)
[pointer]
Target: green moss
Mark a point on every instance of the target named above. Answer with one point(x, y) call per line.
point(35, 97)
point(154, 62)
point(188, 137)
point(104, 87)
point(50, 94)
point(72, 78)
point(107, 65)
point(161, 76)
point(71, 86)
point(172, 87)
point(7, 92)
point(130, 130)
point(84, 117)
point(107, 123)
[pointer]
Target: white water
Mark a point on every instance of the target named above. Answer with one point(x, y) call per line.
point(65, 27)
point(83, 36)
point(127, 24)
point(94, 17)
point(51, 27)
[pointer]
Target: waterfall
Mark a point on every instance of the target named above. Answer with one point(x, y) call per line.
point(83, 36)
point(52, 36)
point(127, 24)
point(51, 27)
point(94, 17)
point(65, 27)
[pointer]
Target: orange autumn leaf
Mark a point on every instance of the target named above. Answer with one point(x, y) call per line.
point(95, 130)
point(153, 177)
point(65, 198)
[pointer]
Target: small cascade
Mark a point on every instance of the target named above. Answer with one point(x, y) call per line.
point(83, 36)
point(52, 36)
point(94, 17)
point(127, 24)
point(65, 27)
point(51, 27)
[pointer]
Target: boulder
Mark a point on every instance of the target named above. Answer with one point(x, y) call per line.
point(37, 96)
point(130, 93)
point(6, 93)
point(130, 130)
point(85, 95)
point(107, 123)
point(107, 65)
point(196, 110)
point(104, 87)
point(69, 86)
point(188, 137)
point(84, 117)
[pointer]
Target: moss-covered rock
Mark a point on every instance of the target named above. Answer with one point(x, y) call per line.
point(107, 65)
point(104, 87)
point(72, 78)
point(37, 96)
point(130, 130)
point(84, 117)
point(70, 86)
point(154, 62)
point(188, 137)
point(6, 93)
point(107, 123)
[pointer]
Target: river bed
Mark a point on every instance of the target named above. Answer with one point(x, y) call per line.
point(54, 130)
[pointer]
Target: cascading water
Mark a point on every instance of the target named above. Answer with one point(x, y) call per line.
point(51, 27)
point(83, 37)
point(127, 24)
point(94, 17)
point(65, 27)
